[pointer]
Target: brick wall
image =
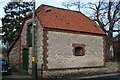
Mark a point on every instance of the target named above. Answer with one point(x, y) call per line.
point(39, 43)
point(60, 50)
point(14, 55)
point(24, 32)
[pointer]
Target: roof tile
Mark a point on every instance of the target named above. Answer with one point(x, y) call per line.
point(53, 17)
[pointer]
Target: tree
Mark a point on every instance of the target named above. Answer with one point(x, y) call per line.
point(77, 4)
point(12, 21)
point(107, 15)
point(0, 33)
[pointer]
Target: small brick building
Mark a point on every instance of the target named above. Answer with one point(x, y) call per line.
point(65, 40)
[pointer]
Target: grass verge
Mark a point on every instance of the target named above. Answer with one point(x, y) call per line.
point(19, 72)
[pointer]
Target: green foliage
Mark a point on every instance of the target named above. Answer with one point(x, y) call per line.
point(5, 58)
point(3, 53)
point(4, 50)
point(12, 21)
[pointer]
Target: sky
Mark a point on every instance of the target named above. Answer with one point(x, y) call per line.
point(56, 3)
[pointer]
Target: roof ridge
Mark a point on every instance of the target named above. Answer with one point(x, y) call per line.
point(67, 10)
point(60, 8)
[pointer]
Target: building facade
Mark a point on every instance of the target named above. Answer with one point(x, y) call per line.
point(65, 39)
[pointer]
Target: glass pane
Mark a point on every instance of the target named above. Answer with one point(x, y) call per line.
point(79, 51)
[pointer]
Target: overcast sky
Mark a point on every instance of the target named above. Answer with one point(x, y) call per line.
point(56, 3)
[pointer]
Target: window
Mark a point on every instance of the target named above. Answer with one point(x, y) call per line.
point(30, 35)
point(78, 49)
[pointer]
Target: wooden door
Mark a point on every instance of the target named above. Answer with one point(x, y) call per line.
point(25, 59)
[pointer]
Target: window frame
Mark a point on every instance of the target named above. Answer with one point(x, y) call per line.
point(75, 46)
point(29, 35)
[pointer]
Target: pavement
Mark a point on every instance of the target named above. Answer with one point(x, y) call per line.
point(102, 76)
point(110, 76)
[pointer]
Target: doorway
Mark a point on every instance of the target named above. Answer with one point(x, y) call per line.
point(25, 59)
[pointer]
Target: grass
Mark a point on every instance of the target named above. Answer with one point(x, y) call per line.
point(118, 62)
point(19, 72)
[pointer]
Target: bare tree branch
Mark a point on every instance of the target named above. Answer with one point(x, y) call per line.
point(117, 19)
point(107, 15)
point(67, 5)
point(109, 10)
point(106, 23)
point(115, 30)
point(92, 8)
point(117, 10)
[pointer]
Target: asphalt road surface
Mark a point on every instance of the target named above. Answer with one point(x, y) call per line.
point(111, 77)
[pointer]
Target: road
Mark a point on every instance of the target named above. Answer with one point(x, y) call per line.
point(110, 77)
point(114, 77)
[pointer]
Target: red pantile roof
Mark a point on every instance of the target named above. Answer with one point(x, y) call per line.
point(58, 18)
